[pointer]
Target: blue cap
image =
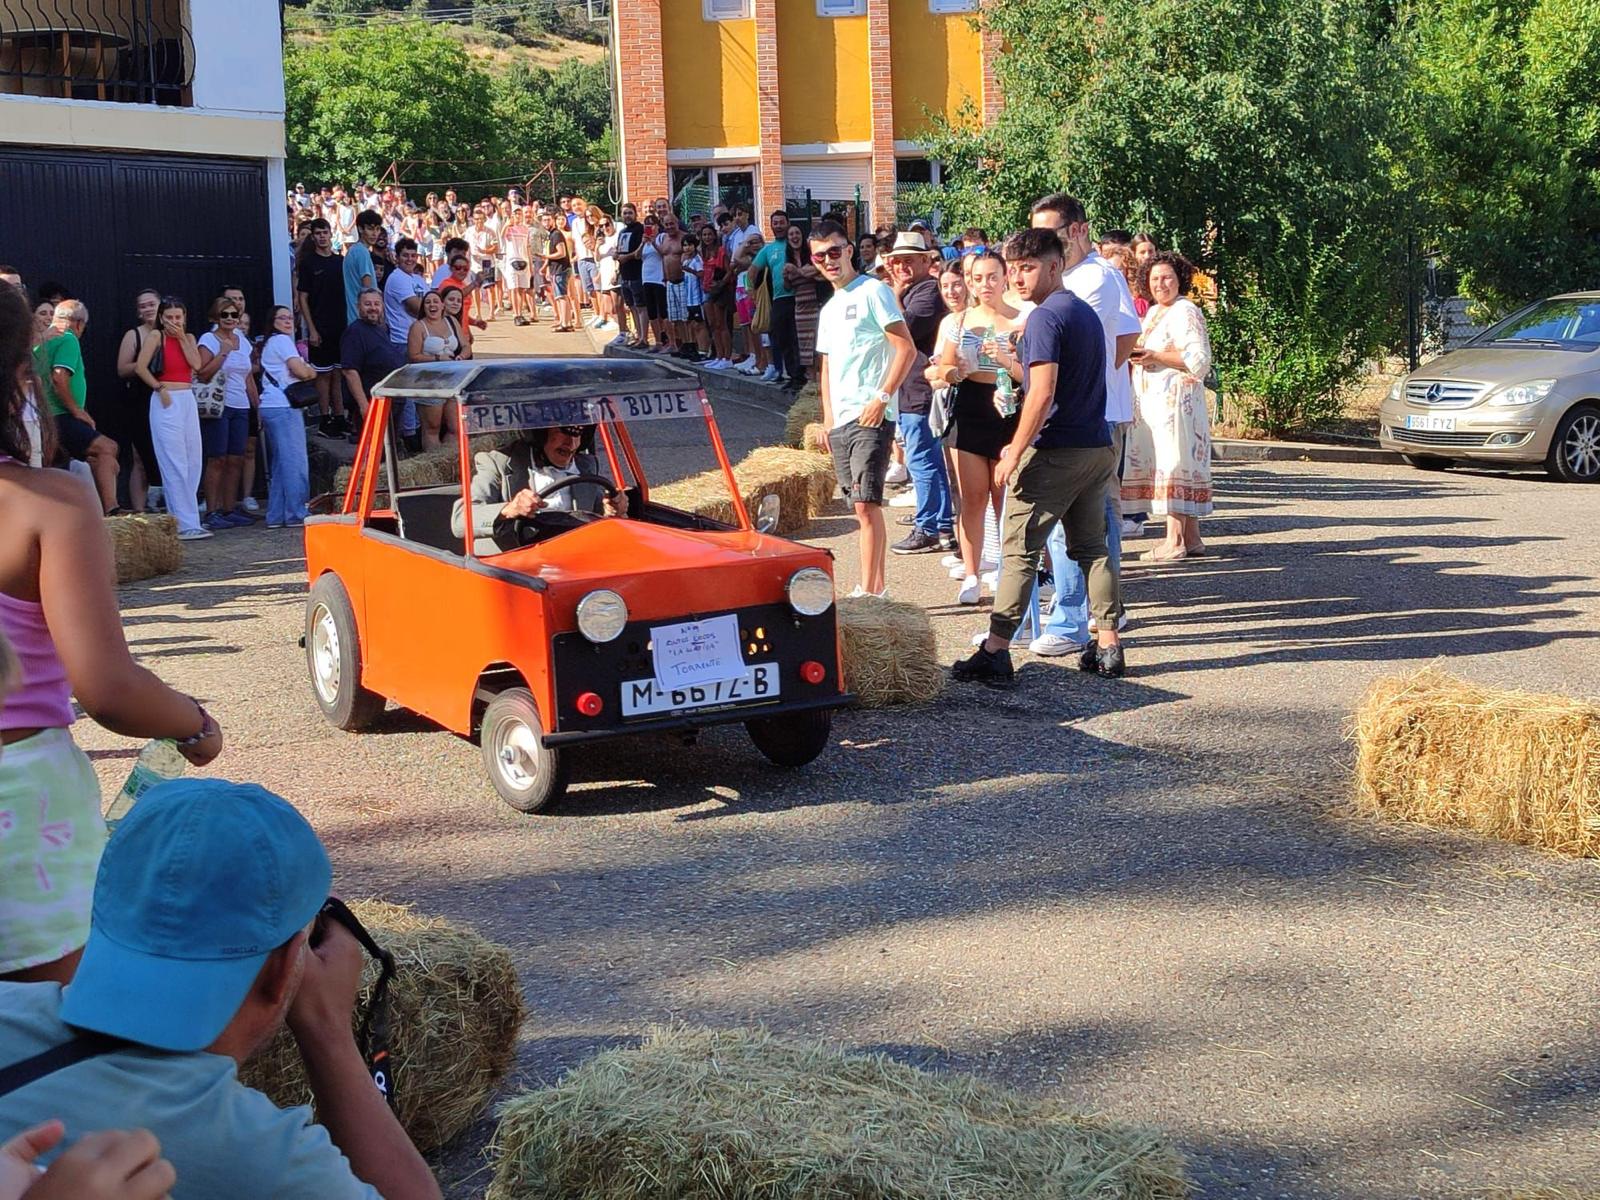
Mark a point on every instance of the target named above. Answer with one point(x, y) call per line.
point(202, 880)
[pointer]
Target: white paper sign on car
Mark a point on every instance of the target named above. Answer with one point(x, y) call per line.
point(697, 651)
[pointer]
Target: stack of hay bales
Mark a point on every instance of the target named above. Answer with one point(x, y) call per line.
point(806, 410)
point(428, 469)
point(455, 1006)
point(698, 1115)
point(1441, 751)
point(890, 655)
point(144, 546)
point(802, 482)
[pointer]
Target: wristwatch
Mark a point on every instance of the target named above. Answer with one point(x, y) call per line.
point(882, 397)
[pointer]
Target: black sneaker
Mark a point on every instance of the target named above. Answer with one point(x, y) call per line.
point(328, 427)
point(947, 541)
point(984, 667)
point(1103, 660)
point(916, 542)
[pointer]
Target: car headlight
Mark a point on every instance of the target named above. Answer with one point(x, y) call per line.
point(602, 616)
point(1397, 390)
point(1515, 394)
point(810, 591)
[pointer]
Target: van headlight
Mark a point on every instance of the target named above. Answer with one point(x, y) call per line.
point(602, 616)
point(1514, 395)
point(810, 591)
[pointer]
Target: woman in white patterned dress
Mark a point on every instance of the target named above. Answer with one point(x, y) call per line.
point(1168, 465)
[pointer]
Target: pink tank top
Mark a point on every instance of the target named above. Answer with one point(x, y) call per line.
point(44, 701)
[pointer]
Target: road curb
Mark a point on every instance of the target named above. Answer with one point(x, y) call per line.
point(1240, 450)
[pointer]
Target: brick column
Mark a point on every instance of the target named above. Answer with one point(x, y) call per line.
point(993, 101)
point(642, 99)
point(769, 122)
point(882, 92)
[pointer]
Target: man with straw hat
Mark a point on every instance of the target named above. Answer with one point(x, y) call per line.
point(907, 267)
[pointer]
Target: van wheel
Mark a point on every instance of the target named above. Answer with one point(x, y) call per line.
point(333, 657)
point(793, 740)
point(1575, 449)
point(1428, 462)
point(528, 775)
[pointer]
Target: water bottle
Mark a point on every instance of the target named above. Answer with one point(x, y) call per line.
point(1005, 393)
point(158, 762)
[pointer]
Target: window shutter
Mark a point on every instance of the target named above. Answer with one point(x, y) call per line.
point(841, 8)
point(725, 10)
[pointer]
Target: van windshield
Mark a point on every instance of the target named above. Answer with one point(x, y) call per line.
point(1564, 322)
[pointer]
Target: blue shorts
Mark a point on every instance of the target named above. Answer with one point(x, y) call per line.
point(225, 435)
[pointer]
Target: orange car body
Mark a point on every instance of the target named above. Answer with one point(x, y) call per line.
point(438, 631)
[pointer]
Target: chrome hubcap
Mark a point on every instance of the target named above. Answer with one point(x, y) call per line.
point(1582, 445)
point(325, 654)
point(519, 755)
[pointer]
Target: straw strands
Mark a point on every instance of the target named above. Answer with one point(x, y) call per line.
point(815, 439)
point(806, 410)
point(428, 469)
point(144, 546)
point(890, 656)
point(1442, 751)
point(802, 482)
point(736, 1115)
point(455, 1006)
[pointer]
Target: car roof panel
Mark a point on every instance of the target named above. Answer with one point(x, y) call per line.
point(501, 380)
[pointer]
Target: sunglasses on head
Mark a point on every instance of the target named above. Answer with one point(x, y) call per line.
point(831, 254)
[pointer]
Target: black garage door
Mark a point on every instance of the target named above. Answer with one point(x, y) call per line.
point(107, 225)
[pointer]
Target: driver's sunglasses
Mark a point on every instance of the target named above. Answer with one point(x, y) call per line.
point(831, 254)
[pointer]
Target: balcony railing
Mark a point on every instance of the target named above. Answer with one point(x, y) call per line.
point(133, 52)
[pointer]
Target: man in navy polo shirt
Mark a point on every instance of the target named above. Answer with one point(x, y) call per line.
point(1059, 463)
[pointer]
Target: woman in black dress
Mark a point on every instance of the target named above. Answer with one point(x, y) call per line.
point(132, 424)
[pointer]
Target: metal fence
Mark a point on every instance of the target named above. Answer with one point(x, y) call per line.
point(135, 51)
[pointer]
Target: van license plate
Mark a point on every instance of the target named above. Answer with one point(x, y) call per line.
point(1431, 423)
point(641, 697)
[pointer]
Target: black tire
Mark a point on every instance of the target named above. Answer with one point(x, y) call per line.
point(792, 740)
point(1428, 462)
point(333, 658)
point(1575, 450)
point(528, 775)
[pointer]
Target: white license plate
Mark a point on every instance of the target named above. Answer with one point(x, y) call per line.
point(1431, 423)
point(641, 697)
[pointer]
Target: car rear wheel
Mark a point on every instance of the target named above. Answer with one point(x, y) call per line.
point(1428, 462)
point(792, 740)
point(333, 657)
point(528, 775)
point(1575, 449)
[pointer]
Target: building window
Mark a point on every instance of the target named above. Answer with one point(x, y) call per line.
point(725, 10)
point(952, 6)
point(841, 8)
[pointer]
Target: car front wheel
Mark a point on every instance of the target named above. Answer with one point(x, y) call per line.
point(1427, 462)
point(333, 657)
point(528, 775)
point(792, 740)
point(1575, 449)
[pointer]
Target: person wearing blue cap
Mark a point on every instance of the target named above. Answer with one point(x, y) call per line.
point(198, 952)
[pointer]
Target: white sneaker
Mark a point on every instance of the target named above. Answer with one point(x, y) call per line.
point(971, 591)
point(896, 473)
point(952, 560)
point(1122, 623)
point(598, 323)
point(992, 578)
point(906, 499)
point(1132, 528)
point(1053, 645)
point(770, 375)
point(719, 364)
point(859, 593)
point(747, 365)
point(194, 535)
point(251, 505)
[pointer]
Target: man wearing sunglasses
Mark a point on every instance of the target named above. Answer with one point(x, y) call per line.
point(506, 485)
point(864, 353)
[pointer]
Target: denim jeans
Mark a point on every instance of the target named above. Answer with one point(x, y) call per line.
point(925, 461)
point(1069, 611)
point(288, 474)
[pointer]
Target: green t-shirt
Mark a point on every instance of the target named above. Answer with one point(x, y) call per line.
point(62, 352)
point(772, 256)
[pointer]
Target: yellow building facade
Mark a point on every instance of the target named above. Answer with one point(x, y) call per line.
point(772, 102)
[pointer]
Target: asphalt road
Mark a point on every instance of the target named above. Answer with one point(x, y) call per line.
point(1144, 895)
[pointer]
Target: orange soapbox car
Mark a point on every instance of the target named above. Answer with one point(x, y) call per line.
point(568, 625)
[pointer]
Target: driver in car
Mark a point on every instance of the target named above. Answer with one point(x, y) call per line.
point(506, 485)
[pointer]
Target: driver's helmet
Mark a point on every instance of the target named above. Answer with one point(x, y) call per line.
point(536, 439)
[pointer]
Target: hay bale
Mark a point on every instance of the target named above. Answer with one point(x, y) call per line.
point(1442, 751)
point(802, 482)
point(890, 655)
point(144, 546)
point(428, 469)
point(806, 410)
point(815, 439)
point(701, 1115)
point(455, 1006)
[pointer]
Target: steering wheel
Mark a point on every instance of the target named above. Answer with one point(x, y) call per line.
point(545, 523)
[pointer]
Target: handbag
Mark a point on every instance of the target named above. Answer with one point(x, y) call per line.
point(942, 412)
point(519, 264)
point(209, 397)
point(761, 314)
point(302, 393)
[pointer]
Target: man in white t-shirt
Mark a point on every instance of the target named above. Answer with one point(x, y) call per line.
point(864, 353)
point(402, 291)
point(1102, 287)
